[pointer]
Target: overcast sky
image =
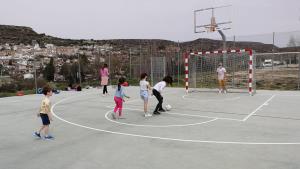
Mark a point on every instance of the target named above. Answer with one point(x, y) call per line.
point(147, 19)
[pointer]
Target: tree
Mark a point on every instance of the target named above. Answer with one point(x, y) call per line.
point(10, 62)
point(1, 69)
point(65, 71)
point(49, 71)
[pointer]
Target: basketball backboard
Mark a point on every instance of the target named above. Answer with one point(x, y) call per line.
point(212, 19)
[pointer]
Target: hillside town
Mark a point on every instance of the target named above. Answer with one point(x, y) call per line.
point(22, 60)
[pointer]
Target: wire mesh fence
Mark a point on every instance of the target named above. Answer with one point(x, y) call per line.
point(278, 70)
point(277, 62)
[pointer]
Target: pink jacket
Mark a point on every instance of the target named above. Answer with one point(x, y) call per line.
point(104, 72)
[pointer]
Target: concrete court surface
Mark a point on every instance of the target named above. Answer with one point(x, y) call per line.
point(203, 130)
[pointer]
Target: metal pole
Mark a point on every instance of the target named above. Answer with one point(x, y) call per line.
point(151, 72)
point(178, 64)
point(109, 68)
point(195, 23)
point(35, 76)
point(234, 41)
point(79, 70)
point(273, 54)
point(164, 60)
point(140, 59)
point(129, 63)
point(298, 72)
point(34, 65)
point(224, 47)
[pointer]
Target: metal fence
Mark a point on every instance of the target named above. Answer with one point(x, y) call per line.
point(277, 61)
point(155, 63)
point(278, 70)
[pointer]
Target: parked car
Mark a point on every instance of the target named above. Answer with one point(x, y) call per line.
point(268, 63)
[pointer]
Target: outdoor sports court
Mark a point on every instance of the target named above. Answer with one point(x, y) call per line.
point(203, 130)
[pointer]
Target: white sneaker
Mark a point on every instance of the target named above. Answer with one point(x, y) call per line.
point(148, 115)
point(225, 91)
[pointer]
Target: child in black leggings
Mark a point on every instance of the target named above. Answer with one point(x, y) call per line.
point(157, 89)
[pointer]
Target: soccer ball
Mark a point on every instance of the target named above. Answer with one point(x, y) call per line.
point(168, 107)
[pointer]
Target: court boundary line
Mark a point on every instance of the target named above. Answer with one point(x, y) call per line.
point(258, 108)
point(166, 138)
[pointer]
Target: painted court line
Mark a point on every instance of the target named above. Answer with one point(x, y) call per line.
point(211, 100)
point(220, 118)
point(166, 138)
point(264, 104)
point(141, 125)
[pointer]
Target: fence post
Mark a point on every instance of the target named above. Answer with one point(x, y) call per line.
point(178, 64)
point(140, 59)
point(298, 71)
point(129, 63)
point(151, 71)
point(109, 67)
point(272, 61)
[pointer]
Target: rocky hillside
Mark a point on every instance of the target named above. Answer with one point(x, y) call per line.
point(25, 35)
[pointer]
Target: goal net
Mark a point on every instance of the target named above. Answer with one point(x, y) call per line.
point(201, 70)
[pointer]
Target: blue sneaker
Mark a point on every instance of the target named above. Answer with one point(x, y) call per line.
point(49, 137)
point(36, 134)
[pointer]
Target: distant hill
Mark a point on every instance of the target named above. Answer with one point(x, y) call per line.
point(20, 34)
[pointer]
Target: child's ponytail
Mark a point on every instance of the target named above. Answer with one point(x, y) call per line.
point(121, 81)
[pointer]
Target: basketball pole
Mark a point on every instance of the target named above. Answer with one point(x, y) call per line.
point(224, 47)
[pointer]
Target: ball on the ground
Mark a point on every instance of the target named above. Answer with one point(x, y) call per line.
point(168, 107)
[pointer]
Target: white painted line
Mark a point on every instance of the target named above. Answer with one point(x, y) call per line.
point(287, 95)
point(211, 100)
point(169, 139)
point(264, 104)
point(177, 125)
point(180, 114)
point(163, 126)
point(219, 118)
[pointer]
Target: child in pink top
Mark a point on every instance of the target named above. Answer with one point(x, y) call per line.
point(104, 78)
point(119, 99)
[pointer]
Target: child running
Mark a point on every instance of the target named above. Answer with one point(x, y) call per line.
point(144, 92)
point(45, 114)
point(157, 89)
point(119, 99)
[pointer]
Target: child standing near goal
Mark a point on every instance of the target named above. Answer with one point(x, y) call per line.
point(45, 114)
point(221, 73)
point(157, 89)
point(144, 92)
point(119, 98)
